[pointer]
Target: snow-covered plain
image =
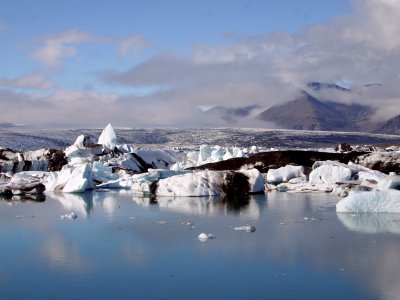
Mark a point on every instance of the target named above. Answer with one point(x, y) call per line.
point(92, 162)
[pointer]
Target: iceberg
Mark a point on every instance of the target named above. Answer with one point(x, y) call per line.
point(108, 137)
point(81, 179)
point(328, 173)
point(210, 183)
point(389, 182)
point(284, 174)
point(373, 201)
point(204, 237)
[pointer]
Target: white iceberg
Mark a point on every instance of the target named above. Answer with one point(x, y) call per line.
point(284, 174)
point(329, 173)
point(81, 179)
point(204, 237)
point(108, 137)
point(373, 201)
point(204, 183)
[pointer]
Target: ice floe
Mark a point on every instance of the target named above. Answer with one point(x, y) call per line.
point(248, 228)
point(205, 236)
point(373, 201)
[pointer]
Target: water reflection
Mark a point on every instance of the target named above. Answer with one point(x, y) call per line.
point(23, 198)
point(337, 262)
point(82, 204)
point(204, 205)
point(371, 222)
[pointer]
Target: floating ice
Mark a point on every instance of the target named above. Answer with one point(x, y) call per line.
point(247, 228)
point(205, 183)
point(204, 237)
point(69, 216)
point(374, 201)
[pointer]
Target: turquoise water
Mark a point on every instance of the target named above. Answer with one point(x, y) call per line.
point(121, 247)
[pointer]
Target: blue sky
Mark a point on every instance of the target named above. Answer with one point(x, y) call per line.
point(167, 59)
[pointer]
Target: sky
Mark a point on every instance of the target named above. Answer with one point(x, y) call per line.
point(74, 64)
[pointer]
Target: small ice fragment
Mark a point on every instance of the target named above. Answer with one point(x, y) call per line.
point(204, 237)
point(247, 228)
point(162, 222)
point(69, 216)
point(306, 218)
point(19, 216)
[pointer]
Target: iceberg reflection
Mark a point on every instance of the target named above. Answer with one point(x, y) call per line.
point(82, 203)
point(371, 222)
point(202, 205)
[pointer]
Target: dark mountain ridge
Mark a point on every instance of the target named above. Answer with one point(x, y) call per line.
point(306, 112)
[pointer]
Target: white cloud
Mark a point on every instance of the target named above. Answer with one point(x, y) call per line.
point(132, 44)
point(262, 70)
point(266, 70)
point(34, 81)
point(57, 46)
point(60, 108)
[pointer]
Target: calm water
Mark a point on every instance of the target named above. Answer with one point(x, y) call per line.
point(121, 248)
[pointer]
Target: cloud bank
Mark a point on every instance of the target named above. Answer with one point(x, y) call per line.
point(262, 70)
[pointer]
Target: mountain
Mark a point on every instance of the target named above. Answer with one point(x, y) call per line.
point(231, 114)
point(306, 112)
point(391, 126)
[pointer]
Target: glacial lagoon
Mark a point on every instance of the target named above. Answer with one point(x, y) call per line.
point(122, 246)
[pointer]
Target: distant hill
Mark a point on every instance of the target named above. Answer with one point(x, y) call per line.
point(391, 126)
point(306, 112)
